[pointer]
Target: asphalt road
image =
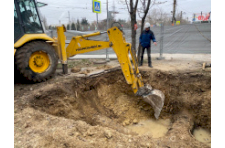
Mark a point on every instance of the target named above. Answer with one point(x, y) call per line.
point(181, 39)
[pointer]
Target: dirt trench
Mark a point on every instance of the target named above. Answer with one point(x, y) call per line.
point(97, 111)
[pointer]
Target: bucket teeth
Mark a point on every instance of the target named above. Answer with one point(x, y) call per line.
point(154, 97)
point(156, 100)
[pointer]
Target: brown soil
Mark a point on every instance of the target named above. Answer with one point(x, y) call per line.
point(94, 111)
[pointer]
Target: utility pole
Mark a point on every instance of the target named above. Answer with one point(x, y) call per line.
point(114, 9)
point(174, 10)
point(107, 16)
point(97, 19)
point(69, 19)
point(107, 27)
point(76, 25)
point(201, 16)
point(180, 16)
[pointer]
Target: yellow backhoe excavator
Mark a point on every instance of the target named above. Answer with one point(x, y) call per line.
point(36, 54)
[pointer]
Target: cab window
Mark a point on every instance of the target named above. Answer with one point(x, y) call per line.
point(17, 29)
point(30, 17)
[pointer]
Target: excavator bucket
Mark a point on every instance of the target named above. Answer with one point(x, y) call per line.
point(154, 97)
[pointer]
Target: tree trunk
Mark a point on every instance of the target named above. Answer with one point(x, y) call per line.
point(142, 28)
point(133, 32)
point(139, 46)
point(133, 9)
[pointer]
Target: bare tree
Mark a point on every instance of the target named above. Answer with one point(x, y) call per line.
point(144, 11)
point(157, 16)
point(132, 9)
point(153, 16)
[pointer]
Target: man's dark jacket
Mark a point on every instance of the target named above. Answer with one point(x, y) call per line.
point(145, 38)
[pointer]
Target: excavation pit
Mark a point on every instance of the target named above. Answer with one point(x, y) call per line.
point(101, 111)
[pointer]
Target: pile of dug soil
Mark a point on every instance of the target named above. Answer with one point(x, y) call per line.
point(98, 111)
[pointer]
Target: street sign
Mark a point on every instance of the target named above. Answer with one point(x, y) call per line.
point(96, 6)
point(177, 22)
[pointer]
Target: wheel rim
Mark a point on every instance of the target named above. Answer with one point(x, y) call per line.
point(39, 62)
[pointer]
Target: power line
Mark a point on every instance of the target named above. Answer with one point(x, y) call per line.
point(75, 8)
point(185, 10)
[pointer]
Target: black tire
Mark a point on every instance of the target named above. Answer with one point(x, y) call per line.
point(22, 57)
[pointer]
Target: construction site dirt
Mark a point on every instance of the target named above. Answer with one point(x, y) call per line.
point(95, 107)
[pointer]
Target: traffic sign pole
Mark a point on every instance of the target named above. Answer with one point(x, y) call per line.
point(97, 20)
point(107, 27)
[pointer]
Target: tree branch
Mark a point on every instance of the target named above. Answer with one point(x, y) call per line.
point(139, 12)
point(135, 7)
point(147, 8)
point(152, 4)
point(127, 6)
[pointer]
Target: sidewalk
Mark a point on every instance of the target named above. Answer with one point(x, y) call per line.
point(194, 57)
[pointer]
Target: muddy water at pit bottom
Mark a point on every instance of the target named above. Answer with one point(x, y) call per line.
point(202, 135)
point(156, 128)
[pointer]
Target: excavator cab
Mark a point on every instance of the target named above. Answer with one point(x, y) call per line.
point(26, 19)
point(36, 57)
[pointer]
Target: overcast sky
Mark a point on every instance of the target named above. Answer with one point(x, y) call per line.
point(58, 9)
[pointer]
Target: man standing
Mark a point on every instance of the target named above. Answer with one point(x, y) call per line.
point(145, 41)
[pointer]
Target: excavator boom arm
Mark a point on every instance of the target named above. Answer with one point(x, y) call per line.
point(79, 45)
